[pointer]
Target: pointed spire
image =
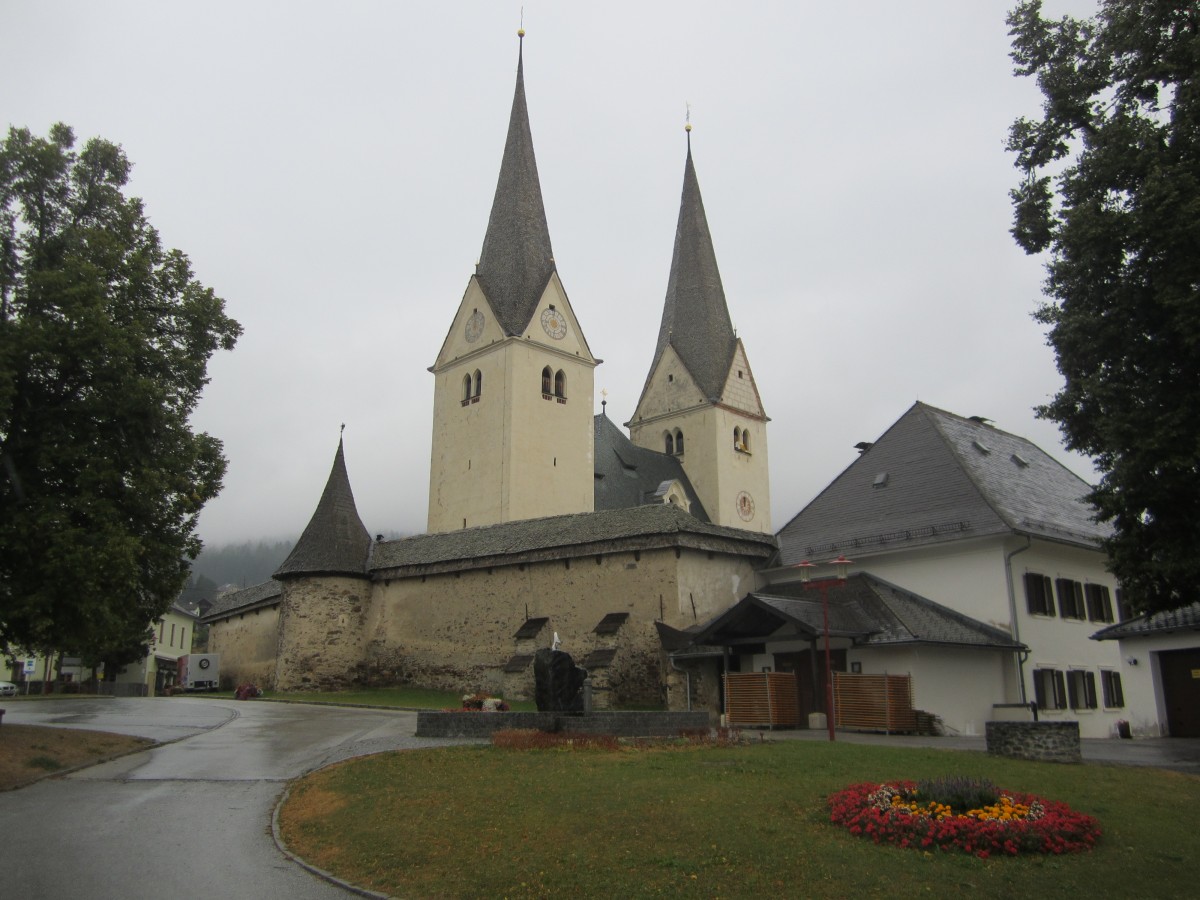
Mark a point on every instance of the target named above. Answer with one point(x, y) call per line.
point(335, 542)
point(516, 261)
point(695, 318)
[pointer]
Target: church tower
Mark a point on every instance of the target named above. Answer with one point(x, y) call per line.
point(513, 381)
point(700, 402)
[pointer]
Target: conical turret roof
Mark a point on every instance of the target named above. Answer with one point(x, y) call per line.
point(695, 319)
point(516, 261)
point(335, 542)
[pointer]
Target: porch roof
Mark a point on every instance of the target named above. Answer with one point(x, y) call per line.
point(866, 609)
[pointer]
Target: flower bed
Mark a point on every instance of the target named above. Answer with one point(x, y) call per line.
point(1012, 823)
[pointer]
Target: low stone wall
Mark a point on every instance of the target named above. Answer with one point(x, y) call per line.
point(436, 723)
point(1038, 741)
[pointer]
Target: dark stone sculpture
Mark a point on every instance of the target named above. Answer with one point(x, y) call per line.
point(557, 681)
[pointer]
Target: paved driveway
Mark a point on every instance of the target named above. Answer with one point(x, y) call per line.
point(187, 819)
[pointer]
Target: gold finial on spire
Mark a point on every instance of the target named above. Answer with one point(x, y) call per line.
point(688, 119)
point(521, 27)
point(342, 430)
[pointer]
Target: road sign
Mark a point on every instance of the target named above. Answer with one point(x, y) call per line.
point(29, 664)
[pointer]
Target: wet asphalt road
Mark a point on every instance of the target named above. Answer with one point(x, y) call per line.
point(189, 819)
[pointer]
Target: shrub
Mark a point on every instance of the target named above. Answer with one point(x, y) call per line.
point(960, 793)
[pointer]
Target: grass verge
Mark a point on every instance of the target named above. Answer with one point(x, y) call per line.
point(28, 752)
point(711, 822)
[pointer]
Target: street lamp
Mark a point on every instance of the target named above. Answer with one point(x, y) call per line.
point(823, 586)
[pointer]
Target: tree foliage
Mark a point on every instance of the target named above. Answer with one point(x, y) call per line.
point(1111, 189)
point(105, 338)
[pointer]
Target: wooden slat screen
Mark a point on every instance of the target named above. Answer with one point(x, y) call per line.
point(761, 698)
point(874, 702)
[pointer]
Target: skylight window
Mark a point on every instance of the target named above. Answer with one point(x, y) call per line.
point(1021, 461)
point(981, 447)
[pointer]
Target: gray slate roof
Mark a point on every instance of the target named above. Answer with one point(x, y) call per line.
point(516, 261)
point(1149, 624)
point(563, 536)
point(335, 542)
point(944, 478)
point(869, 610)
point(695, 318)
point(234, 602)
point(628, 475)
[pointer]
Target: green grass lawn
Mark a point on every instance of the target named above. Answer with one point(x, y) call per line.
point(735, 822)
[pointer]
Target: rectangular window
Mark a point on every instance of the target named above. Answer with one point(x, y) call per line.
point(160, 630)
point(1110, 683)
point(1037, 594)
point(1124, 610)
point(171, 643)
point(1049, 689)
point(1099, 603)
point(1070, 599)
point(1081, 689)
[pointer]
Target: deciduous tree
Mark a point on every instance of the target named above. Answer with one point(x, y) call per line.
point(105, 338)
point(1111, 190)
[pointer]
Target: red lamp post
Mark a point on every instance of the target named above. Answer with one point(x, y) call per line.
point(823, 586)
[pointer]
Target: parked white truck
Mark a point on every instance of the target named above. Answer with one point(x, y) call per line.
point(199, 671)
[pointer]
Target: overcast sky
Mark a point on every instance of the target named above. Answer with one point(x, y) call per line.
point(329, 169)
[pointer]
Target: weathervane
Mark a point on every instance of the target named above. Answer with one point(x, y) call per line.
point(603, 401)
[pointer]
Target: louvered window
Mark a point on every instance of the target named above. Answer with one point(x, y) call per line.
point(1038, 595)
point(1070, 598)
point(1110, 683)
point(1081, 689)
point(1099, 603)
point(1049, 689)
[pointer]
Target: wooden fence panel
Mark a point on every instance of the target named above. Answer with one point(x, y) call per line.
point(874, 702)
point(761, 698)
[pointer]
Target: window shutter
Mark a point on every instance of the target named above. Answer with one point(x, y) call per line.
point(1089, 682)
point(1060, 692)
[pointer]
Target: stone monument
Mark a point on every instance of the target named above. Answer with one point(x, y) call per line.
point(557, 681)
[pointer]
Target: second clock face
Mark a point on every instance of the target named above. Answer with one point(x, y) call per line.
point(554, 324)
point(474, 327)
point(745, 506)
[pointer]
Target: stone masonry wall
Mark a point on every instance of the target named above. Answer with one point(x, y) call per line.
point(456, 631)
point(623, 724)
point(1039, 741)
point(321, 639)
point(248, 644)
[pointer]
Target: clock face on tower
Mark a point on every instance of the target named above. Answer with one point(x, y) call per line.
point(474, 327)
point(554, 324)
point(745, 506)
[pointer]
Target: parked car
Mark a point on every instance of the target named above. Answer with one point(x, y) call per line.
point(7, 689)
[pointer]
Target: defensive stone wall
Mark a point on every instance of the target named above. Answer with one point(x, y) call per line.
point(248, 644)
point(321, 639)
point(1038, 741)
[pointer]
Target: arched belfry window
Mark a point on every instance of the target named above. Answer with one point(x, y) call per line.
point(547, 380)
point(746, 440)
point(678, 442)
point(560, 383)
point(737, 438)
point(669, 440)
point(466, 392)
point(478, 382)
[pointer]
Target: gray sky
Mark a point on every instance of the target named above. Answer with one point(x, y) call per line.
point(329, 169)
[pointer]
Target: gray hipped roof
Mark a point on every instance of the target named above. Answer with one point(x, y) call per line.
point(695, 318)
point(628, 475)
point(257, 596)
point(516, 261)
point(562, 537)
point(866, 609)
point(335, 542)
point(934, 477)
point(1186, 618)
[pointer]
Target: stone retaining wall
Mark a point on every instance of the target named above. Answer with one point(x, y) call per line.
point(1038, 741)
point(435, 723)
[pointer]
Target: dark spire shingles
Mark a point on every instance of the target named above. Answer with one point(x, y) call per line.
point(695, 318)
point(335, 542)
point(516, 261)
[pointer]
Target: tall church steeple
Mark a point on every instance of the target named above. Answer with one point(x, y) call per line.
point(700, 402)
point(512, 418)
point(516, 261)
